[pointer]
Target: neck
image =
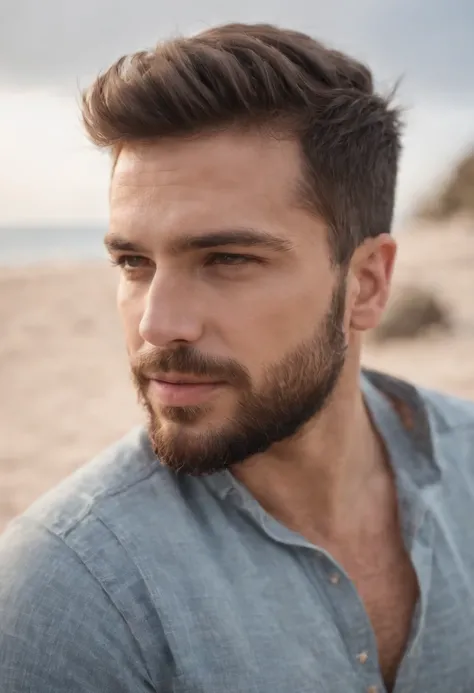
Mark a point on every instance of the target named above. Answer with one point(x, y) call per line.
point(319, 483)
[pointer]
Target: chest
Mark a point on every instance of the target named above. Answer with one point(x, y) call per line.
point(244, 613)
point(270, 620)
point(386, 583)
point(275, 633)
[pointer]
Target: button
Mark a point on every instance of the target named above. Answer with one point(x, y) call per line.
point(372, 689)
point(335, 578)
point(363, 657)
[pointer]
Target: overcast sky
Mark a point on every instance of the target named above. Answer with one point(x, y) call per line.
point(48, 48)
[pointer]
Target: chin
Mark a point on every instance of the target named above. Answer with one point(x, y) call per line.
point(186, 425)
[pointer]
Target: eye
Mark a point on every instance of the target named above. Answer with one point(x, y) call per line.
point(131, 262)
point(230, 259)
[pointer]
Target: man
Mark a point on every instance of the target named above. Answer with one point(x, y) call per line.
point(285, 523)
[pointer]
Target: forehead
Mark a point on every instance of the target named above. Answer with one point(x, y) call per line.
point(229, 158)
point(229, 179)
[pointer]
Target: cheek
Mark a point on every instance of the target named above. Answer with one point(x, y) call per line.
point(296, 309)
point(131, 310)
point(263, 330)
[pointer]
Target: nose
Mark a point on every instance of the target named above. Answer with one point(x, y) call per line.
point(171, 313)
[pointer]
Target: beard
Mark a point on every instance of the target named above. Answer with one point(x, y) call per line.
point(294, 391)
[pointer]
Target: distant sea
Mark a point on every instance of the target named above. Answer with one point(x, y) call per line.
point(30, 245)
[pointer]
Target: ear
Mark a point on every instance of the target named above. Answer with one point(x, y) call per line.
point(371, 273)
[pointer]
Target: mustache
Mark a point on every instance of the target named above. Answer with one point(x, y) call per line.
point(187, 361)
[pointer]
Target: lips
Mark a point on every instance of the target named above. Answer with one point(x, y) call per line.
point(182, 380)
point(181, 391)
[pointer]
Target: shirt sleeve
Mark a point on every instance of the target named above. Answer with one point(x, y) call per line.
point(59, 631)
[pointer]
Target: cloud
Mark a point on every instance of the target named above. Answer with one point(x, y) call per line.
point(54, 42)
point(49, 172)
point(428, 40)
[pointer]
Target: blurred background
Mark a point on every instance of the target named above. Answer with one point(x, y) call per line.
point(65, 392)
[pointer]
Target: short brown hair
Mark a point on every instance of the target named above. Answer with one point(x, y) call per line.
point(252, 75)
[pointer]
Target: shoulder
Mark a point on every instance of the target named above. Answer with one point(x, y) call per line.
point(125, 466)
point(445, 413)
point(67, 581)
point(448, 414)
point(440, 425)
point(58, 628)
point(451, 423)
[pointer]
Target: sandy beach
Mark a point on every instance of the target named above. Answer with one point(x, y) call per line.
point(64, 376)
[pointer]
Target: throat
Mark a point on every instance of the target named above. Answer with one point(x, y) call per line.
point(320, 482)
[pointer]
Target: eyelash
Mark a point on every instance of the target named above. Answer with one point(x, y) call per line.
point(235, 259)
point(212, 260)
point(121, 261)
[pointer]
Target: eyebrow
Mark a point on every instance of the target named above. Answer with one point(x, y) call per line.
point(232, 237)
point(114, 242)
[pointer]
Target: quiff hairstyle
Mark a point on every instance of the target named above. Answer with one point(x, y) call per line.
point(252, 76)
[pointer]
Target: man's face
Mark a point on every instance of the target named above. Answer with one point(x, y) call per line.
point(233, 313)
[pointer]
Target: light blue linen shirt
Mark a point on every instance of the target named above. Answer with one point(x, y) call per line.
point(128, 578)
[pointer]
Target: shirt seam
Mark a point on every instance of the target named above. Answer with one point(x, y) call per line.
point(167, 631)
point(96, 500)
point(51, 533)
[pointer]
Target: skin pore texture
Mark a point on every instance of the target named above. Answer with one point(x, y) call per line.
point(244, 340)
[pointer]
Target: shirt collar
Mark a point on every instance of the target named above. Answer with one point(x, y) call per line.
point(389, 398)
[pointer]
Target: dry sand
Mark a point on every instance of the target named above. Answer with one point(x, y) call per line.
point(64, 377)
